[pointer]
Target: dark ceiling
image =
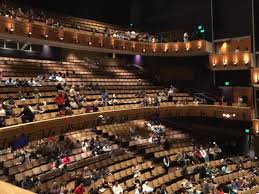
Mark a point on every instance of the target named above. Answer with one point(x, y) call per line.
point(112, 11)
point(231, 18)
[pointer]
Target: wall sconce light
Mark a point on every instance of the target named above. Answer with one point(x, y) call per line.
point(29, 33)
point(154, 50)
point(89, 43)
point(11, 30)
point(124, 47)
point(61, 38)
point(166, 50)
point(76, 41)
point(214, 62)
point(144, 50)
point(45, 35)
point(199, 45)
point(225, 62)
point(246, 59)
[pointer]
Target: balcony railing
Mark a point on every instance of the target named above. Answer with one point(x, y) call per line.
point(40, 33)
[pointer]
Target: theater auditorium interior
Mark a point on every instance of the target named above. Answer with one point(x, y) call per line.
point(129, 97)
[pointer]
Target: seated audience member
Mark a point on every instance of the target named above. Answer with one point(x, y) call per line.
point(60, 100)
point(105, 98)
point(37, 109)
point(116, 189)
point(65, 189)
point(59, 87)
point(79, 189)
point(170, 94)
point(88, 108)
point(59, 77)
point(27, 183)
point(146, 188)
point(135, 169)
point(166, 162)
point(26, 115)
point(32, 82)
point(36, 93)
point(73, 104)
point(10, 82)
point(55, 189)
point(224, 169)
point(185, 37)
point(2, 116)
point(195, 102)
point(10, 102)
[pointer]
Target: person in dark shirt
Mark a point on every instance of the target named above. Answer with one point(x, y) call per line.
point(27, 183)
point(26, 115)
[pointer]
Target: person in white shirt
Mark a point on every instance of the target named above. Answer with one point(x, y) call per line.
point(72, 91)
point(32, 82)
point(10, 82)
point(116, 189)
point(85, 145)
point(73, 104)
point(204, 155)
point(106, 148)
point(2, 111)
point(146, 188)
point(59, 78)
point(185, 37)
point(196, 102)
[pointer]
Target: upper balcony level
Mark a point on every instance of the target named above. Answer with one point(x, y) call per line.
point(232, 54)
point(40, 33)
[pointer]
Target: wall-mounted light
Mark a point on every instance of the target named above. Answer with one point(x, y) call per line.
point(154, 50)
point(29, 33)
point(124, 47)
point(187, 46)
point(246, 58)
point(11, 30)
point(144, 50)
point(235, 60)
point(214, 62)
point(225, 61)
point(166, 50)
point(45, 35)
point(76, 41)
point(199, 45)
point(61, 38)
point(176, 48)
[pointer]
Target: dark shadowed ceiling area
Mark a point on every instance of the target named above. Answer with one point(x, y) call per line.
point(231, 17)
point(112, 11)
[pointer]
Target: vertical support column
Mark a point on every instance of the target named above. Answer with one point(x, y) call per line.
point(212, 25)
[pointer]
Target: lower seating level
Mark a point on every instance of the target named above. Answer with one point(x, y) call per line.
point(139, 154)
